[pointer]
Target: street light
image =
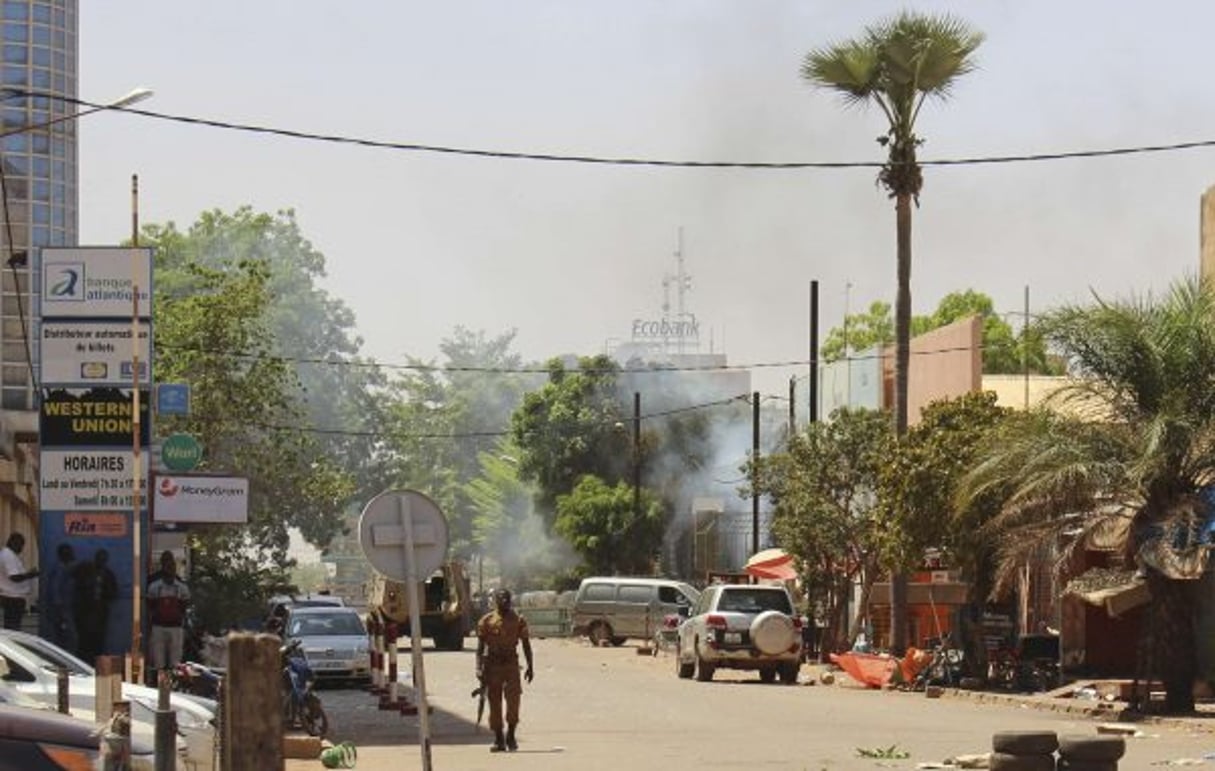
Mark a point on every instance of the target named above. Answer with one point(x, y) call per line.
point(18, 258)
point(134, 96)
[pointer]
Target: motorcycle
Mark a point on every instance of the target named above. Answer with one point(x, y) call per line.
point(301, 706)
point(196, 679)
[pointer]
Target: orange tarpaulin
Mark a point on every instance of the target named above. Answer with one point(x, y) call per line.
point(875, 670)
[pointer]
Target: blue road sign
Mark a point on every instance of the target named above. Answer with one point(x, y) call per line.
point(173, 399)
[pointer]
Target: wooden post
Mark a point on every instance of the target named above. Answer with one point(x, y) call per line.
point(62, 686)
point(165, 735)
point(252, 705)
point(116, 739)
point(109, 686)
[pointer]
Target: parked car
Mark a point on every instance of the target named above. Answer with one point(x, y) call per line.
point(614, 608)
point(334, 640)
point(44, 740)
point(32, 665)
point(280, 604)
point(741, 626)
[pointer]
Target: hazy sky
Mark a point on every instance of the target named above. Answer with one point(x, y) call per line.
point(569, 254)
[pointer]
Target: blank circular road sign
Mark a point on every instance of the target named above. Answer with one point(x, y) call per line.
point(385, 528)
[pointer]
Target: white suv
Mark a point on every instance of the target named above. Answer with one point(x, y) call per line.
point(741, 626)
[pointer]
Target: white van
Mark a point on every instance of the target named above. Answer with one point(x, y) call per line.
point(615, 608)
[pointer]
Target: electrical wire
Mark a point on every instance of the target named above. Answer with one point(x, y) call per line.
point(624, 161)
point(541, 370)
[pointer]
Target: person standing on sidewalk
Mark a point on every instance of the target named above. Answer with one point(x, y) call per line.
point(14, 581)
point(499, 634)
point(167, 599)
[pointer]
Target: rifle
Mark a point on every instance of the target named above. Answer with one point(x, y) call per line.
point(479, 694)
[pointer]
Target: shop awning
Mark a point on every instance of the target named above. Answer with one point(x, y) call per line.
point(1115, 590)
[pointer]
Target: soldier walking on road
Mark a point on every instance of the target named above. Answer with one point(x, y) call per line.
point(499, 633)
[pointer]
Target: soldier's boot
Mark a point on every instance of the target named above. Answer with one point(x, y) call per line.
point(499, 743)
point(511, 744)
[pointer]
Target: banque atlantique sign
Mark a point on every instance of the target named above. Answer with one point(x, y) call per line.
point(658, 329)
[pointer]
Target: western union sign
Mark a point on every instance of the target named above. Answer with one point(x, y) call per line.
point(96, 417)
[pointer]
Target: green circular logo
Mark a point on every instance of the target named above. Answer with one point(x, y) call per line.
point(180, 452)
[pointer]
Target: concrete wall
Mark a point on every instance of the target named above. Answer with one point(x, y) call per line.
point(945, 363)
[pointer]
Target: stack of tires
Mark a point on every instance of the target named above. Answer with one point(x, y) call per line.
point(1090, 753)
point(1023, 751)
point(1035, 751)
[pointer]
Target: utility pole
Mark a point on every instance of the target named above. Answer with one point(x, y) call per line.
point(1025, 346)
point(136, 470)
point(755, 472)
point(792, 405)
point(813, 352)
point(637, 455)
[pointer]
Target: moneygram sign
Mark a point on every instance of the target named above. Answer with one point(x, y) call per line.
point(201, 499)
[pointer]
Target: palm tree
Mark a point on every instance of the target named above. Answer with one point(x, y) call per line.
point(897, 64)
point(1131, 456)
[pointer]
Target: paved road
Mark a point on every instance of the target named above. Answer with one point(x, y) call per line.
point(592, 708)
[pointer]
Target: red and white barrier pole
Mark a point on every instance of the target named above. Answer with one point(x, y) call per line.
point(374, 628)
point(389, 700)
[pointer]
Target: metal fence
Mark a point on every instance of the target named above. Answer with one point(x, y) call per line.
point(547, 622)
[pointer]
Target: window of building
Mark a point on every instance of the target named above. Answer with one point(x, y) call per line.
point(16, 10)
point(16, 32)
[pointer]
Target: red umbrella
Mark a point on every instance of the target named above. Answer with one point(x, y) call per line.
point(771, 563)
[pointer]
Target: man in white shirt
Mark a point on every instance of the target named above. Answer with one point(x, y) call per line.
point(14, 581)
point(168, 597)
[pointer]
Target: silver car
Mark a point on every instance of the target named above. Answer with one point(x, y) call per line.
point(741, 626)
point(31, 666)
point(334, 641)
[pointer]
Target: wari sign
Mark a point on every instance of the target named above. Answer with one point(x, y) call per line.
point(92, 352)
point(201, 499)
point(87, 480)
point(94, 417)
point(180, 452)
point(95, 282)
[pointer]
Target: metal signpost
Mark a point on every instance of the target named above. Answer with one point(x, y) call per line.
point(403, 534)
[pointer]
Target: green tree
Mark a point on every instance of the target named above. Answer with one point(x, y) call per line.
point(505, 526)
point(824, 492)
point(1005, 352)
point(573, 426)
point(243, 410)
point(860, 332)
point(918, 488)
point(443, 417)
point(897, 64)
point(316, 332)
point(611, 535)
point(1134, 452)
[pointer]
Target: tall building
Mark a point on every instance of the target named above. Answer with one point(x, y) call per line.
point(38, 88)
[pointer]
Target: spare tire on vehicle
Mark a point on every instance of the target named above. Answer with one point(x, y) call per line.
point(772, 632)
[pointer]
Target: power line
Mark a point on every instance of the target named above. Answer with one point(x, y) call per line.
point(624, 161)
point(488, 433)
point(657, 369)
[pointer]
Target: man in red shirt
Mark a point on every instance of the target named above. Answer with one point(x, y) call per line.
point(168, 597)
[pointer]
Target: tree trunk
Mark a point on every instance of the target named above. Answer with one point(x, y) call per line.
point(1173, 650)
point(902, 358)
